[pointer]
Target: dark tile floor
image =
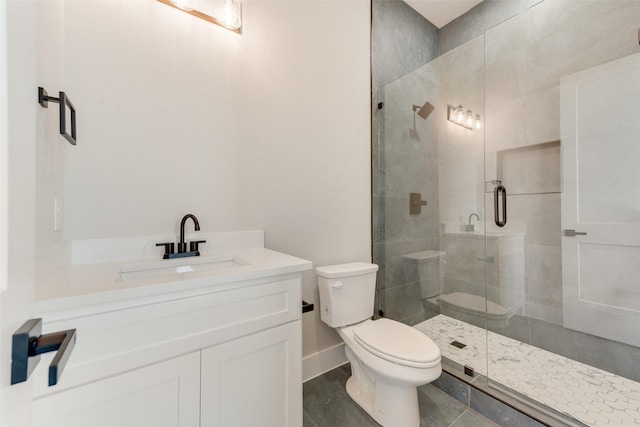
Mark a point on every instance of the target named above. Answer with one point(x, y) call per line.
point(326, 404)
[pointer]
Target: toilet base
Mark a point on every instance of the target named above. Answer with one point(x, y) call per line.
point(391, 405)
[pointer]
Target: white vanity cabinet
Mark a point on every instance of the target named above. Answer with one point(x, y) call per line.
point(165, 394)
point(254, 381)
point(212, 351)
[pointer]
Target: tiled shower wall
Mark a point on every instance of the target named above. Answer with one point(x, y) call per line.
point(475, 22)
point(410, 154)
point(402, 40)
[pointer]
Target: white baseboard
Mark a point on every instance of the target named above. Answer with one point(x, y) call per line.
point(318, 363)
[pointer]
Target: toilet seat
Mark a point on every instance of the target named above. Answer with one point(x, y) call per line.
point(397, 343)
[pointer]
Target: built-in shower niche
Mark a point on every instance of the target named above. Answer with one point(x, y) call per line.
point(532, 169)
point(472, 258)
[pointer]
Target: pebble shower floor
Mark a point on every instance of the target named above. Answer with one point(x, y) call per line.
point(587, 394)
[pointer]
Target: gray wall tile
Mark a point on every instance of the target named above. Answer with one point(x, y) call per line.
point(453, 387)
point(473, 419)
point(402, 40)
point(438, 408)
point(327, 403)
point(478, 20)
point(499, 412)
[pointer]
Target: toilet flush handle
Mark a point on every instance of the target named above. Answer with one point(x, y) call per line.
point(337, 284)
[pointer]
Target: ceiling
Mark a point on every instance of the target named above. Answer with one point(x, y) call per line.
point(441, 12)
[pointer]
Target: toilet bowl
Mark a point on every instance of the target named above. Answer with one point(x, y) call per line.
point(383, 382)
point(389, 359)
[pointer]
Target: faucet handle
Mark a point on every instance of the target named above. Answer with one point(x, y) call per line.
point(168, 249)
point(193, 246)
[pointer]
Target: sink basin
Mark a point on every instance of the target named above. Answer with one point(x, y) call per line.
point(178, 267)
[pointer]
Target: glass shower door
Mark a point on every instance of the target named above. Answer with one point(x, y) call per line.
point(428, 203)
point(405, 196)
point(562, 135)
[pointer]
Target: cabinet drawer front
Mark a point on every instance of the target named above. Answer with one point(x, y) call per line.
point(121, 340)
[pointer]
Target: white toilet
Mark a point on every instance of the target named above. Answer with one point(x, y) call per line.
point(389, 359)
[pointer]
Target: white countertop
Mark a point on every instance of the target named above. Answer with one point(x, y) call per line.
point(87, 288)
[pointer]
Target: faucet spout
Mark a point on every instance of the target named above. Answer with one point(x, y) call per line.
point(471, 227)
point(182, 246)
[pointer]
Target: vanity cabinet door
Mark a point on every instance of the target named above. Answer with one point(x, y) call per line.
point(164, 394)
point(255, 380)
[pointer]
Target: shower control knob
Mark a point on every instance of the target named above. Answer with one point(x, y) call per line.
point(337, 284)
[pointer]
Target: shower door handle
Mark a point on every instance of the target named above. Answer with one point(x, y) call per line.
point(497, 192)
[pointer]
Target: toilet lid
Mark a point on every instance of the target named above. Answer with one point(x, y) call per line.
point(395, 340)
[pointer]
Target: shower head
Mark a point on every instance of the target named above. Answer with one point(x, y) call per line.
point(425, 110)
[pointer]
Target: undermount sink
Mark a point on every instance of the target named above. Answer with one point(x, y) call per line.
point(179, 266)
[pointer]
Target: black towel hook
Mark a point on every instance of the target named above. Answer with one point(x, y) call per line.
point(64, 101)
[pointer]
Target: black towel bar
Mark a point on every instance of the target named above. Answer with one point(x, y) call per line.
point(306, 306)
point(64, 101)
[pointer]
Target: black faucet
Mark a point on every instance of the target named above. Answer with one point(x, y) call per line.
point(182, 245)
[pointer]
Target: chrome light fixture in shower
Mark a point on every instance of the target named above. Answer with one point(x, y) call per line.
point(466, 119)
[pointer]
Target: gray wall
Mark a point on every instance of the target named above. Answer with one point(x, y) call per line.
point(475, 22)
point(401, 41)
point(409, 153)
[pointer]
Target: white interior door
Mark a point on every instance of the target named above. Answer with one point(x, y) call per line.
point(18, 110)
point(600, 116)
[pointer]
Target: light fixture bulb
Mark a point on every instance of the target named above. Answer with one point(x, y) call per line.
point(478, 125)
point(460, 115)
point(232, 15)
point(183, 4)
point(469, 118)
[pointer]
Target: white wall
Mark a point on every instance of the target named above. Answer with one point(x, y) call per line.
point(51, 149)
point(265, 130)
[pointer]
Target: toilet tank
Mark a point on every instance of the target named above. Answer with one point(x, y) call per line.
point(347, 293)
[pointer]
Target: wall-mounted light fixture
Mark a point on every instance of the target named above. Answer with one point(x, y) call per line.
point(226, 13)
point(463, 118)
